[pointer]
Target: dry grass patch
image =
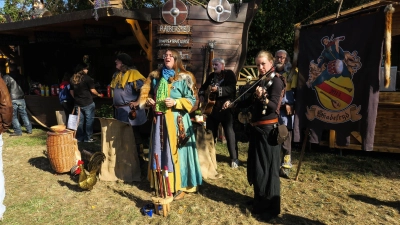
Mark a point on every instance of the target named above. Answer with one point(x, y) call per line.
point(358, 188)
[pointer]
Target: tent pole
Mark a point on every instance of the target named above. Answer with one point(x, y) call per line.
point(303, 148)
point(338, 10)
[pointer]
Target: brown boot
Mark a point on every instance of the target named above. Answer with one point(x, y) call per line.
point(179, 195)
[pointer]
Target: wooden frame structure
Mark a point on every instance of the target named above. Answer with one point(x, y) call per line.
point(137, 31)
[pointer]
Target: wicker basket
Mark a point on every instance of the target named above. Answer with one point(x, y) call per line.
point(60, 151)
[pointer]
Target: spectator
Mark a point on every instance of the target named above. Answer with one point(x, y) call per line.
point(6, 110)
point(81, 89)
point(19, 106)
point(66, 100)
point(286, 115)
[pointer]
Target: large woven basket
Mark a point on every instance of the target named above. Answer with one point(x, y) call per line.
point(60, 151)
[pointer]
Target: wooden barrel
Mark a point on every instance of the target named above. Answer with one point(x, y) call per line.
point(60, 151)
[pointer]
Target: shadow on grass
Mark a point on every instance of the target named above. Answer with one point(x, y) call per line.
point(376, 202)
point(364, 163)
point(72, 187)
point(227, 159)
point(289, 219)
point(42, 163)
point(137, 200)
point(226, 196)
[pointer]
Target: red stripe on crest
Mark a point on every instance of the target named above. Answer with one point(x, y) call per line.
point(335, 92)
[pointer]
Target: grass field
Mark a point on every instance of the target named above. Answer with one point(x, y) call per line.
point(356, 188)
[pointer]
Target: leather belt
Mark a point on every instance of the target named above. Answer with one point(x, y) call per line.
point(120, 106)
point(265, 122)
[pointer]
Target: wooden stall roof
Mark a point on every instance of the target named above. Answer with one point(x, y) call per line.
point(373, 4)
point(73, 22)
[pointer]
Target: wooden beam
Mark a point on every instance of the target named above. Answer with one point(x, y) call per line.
point(332, 138)
point(146, 46)
point(357, 136)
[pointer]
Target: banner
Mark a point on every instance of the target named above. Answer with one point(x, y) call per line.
point(338, 85)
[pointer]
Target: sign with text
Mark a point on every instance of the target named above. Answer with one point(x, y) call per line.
point(52, 37)
point(99, 31)
point(186, 66)
point(174, 42)
point(6, 39)
point(169, 29)
point(185, 54)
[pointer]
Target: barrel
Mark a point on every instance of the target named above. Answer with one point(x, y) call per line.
point(60, 151)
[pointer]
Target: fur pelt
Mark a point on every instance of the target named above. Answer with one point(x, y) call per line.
point(388, 42)
point(145, 90)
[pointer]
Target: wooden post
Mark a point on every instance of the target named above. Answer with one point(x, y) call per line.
point(302, 152)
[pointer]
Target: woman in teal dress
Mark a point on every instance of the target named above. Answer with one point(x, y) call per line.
point(171, 92)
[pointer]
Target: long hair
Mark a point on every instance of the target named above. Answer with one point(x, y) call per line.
point(178, 65)
point(78, 75)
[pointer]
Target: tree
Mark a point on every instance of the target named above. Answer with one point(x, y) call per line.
point(15, 10)
point(273, 26)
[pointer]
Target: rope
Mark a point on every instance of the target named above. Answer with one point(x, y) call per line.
point(316, 12)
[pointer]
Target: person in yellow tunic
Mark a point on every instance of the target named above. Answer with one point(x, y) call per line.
point(171, 91)
point(126, 84)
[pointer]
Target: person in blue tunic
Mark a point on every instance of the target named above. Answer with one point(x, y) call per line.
point(171, 91)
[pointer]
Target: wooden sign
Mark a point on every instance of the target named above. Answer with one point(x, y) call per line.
point(7, 39)
point(99, 31)
point(185, 54)
point(187, 66)
point(174, 42)
point(169, 29)
point(52, 37)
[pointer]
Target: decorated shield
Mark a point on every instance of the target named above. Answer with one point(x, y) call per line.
point(174, 12)
point(219, 10)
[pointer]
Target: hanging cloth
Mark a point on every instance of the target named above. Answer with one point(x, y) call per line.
point(162, 90)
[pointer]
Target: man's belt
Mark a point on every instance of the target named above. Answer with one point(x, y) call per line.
point(264, 122)
point(120, 106)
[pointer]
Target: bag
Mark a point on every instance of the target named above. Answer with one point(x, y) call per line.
point(283, 134)
point(132, 114)
point(73, 120)
point(278, 135)
point(65, 94)
point(182, 138)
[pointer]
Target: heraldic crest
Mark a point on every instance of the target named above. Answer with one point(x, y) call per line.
point(331, 77)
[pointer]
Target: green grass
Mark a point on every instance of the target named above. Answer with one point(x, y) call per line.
point(357, 188)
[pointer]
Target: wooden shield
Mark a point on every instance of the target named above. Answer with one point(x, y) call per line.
point(174, 12)
point(219, 10)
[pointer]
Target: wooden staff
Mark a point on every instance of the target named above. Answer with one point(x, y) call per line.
point(161, 131)
point(155, 177)
point(302, 152)
point(160, 182)
point(167, 181)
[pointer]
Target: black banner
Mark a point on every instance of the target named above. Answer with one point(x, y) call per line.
point(338, 87)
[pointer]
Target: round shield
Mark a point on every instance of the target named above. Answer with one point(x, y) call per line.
point(219, 10)
point(174, 12)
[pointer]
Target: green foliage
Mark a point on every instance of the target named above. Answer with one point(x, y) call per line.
point(272, 27)
point(106, 111)
point(15, 10)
